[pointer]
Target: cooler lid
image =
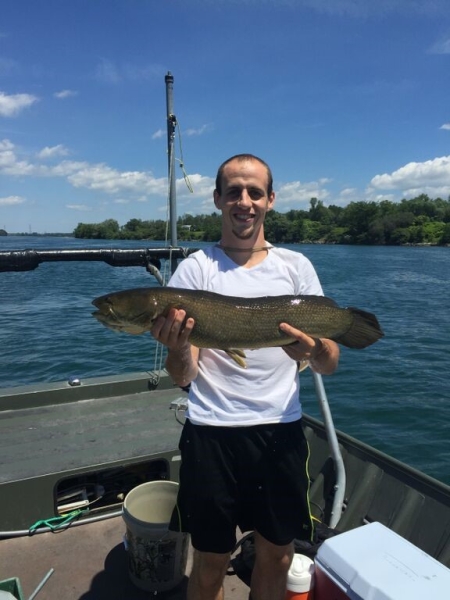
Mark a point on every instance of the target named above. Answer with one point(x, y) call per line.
point(373, 562)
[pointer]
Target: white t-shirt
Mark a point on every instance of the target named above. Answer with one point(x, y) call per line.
point(267, 391)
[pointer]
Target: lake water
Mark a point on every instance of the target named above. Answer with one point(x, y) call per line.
point(394, 395)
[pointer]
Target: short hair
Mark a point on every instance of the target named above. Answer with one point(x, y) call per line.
point(243, 158)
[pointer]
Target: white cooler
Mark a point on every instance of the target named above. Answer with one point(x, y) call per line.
point(374, 563)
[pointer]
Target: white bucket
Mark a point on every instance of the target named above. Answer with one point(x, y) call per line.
point(156, 556)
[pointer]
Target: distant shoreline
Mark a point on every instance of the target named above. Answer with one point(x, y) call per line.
point(70, 235)
point(303, 242)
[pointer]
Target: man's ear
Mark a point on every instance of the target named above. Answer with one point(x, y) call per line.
point(216, 199)
point(271, 201)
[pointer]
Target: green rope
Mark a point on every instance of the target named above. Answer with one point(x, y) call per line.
point(57, 523)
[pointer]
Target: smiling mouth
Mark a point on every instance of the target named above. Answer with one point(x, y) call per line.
point(245, 217)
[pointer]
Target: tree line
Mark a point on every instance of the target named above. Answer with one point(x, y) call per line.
point(419, 220)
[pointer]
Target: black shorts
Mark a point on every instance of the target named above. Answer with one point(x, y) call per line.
point(254, 477)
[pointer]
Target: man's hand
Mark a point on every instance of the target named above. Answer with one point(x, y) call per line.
point(173, 330)
point(182, 359)
point(322, 354)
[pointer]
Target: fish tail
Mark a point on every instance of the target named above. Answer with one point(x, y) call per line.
point(364, 330)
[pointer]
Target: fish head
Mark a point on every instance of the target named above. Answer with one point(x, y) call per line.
point(132, 311)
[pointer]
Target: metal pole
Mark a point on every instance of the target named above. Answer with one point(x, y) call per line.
point(41, 585)
point(171, 124)
point(333, 443)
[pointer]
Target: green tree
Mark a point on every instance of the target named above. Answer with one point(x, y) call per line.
point(445, 238)
point(109, 229)
point(278, 227)
point(319, 212)
point(414, 221)
point(358, 217)
point(212, 227)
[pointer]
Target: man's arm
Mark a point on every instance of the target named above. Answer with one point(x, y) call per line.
point(322, 354)
point(182, 357)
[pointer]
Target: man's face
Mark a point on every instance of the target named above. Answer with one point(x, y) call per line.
point(244, 200)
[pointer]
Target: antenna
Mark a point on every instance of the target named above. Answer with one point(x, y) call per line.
point(171, 126)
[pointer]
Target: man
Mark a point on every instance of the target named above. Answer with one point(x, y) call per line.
point(244, 455)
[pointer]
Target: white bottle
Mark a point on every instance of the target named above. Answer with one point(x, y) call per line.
point(300, 580)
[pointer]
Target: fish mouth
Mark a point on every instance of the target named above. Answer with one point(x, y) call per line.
point(113, 321)
point(109, 317)
point(105, 311)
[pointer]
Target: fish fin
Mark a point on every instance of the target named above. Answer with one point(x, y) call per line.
point(238, 356)
point(364, 330)
point(302, 365)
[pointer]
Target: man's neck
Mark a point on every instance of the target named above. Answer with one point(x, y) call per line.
point(246, 255)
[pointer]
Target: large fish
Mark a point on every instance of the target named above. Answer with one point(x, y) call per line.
point(233, 324)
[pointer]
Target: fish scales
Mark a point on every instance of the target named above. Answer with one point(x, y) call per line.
point(230, 322)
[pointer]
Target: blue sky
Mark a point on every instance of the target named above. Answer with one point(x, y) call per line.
point(346, 99)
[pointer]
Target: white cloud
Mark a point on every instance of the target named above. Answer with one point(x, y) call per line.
point(435, 171)
point(202, 186)
point(9, 163)
point(159, 134)
point(371, 195)
point(7, 155)
point(445, 126)
point(347, 195)
point(106, 179)
point(81, 174)
point(198, 131)
point(64, 94)
point(63, 169)
point(296, 192)
point(440, 47)
point(430, 177)
point(79, 207)
point(52, 151)
point(11, 106)
point(434, 191)
point(11, 200)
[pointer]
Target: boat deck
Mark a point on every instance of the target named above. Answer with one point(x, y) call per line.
point(38, 439)
point(89, 562)
point(56, 431)
point(55, 438)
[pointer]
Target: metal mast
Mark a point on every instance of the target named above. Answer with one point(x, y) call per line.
point(171, 125)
